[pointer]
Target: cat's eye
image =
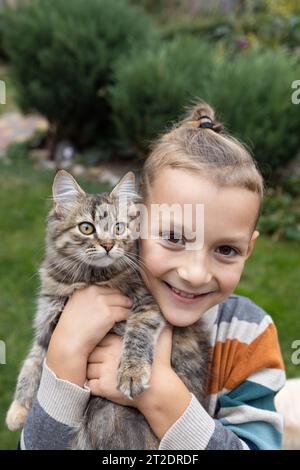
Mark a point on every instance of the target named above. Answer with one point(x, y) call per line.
point(120, 228)
point(86, 228)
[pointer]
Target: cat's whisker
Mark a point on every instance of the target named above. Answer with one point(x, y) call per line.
point(130, 263)
point(66, 266)
point(139, 262)
point(127, 264)
point(65, 263)
point(125, 254)
point(137, 258)
point(39, 261)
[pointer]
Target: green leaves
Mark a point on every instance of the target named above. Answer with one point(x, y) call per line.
point(251, 90)
point(62, 53)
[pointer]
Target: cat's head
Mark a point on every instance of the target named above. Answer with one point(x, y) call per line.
point(94, 229)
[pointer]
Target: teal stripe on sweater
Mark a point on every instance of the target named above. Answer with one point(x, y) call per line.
point(249, 393)
point(262, 434)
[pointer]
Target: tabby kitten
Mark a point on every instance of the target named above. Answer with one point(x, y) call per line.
point(91, 239)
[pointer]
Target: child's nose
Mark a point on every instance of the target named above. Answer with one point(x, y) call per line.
point(195, 271)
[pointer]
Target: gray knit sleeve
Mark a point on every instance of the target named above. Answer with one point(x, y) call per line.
point(57, 410)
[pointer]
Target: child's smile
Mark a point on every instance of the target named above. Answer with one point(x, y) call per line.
point(187, 282)
point(184, 296)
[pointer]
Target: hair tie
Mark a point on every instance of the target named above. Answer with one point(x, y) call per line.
point(207, 124)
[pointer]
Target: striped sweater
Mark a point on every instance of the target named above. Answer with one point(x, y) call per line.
point(246, 373)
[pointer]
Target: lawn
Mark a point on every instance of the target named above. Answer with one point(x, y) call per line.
point(271, 278)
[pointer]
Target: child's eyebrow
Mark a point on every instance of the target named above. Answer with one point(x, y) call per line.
point(234, 240)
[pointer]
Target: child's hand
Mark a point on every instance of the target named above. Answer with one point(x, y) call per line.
point(103, 366)
point(102, 370)
point(86, 319)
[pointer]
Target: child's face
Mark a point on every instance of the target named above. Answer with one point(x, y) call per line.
point(207, 275)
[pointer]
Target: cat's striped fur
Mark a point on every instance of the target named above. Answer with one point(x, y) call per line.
point(72, 262)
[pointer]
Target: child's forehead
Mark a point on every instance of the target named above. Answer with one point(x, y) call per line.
point(181, 186)
point(225, 208)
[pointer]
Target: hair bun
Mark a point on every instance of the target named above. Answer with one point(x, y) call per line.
point(204, 116)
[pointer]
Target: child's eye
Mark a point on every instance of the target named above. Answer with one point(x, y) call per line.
point(172, 237)
point(227, 250)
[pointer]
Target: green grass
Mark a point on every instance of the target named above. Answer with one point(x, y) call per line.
point(271, 277)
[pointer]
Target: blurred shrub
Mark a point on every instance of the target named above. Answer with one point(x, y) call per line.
point(3, 56)
point(240, 31)
point(152, 89)
point(281, 211)
point(252, 90)
point(62, 55)
point(17, 151)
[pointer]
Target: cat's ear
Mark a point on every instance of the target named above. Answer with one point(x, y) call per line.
point(65, 191)
point(125, 189)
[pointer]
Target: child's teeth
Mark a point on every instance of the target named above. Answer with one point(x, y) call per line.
point(183, 294)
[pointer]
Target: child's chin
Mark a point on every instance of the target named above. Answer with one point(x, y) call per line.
point(181, 319)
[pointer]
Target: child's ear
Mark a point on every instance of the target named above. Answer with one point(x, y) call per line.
point(254, 237)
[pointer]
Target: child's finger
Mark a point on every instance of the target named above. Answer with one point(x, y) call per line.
point(94, 289)
point(111, 339)
point(119, 300)
point(93, 371)
point(119, 313)
point(94, 356)
point(95, 387)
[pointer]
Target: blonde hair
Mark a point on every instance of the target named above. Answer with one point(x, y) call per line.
point(199, 144)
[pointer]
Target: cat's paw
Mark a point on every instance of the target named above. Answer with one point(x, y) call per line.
point(133, 379)
point(16, 416)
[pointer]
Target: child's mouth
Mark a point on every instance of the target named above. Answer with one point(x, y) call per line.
point(183, 296)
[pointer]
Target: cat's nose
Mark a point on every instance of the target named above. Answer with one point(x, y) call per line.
point(107, 246)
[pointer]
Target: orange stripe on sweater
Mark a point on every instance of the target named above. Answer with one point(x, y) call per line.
point(232, 362)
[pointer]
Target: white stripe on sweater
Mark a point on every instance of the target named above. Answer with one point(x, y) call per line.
point(274, 379)
point(241, 330)
point(247, 414)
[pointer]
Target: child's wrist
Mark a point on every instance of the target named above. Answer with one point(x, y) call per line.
point(159, 394)
point(67, 363)
point(163, 405)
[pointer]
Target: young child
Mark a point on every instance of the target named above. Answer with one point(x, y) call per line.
point(193, 163)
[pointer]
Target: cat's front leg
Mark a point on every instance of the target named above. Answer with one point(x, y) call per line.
point(143, 329)
point(27, 385)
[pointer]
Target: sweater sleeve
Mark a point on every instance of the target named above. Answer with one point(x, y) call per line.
point(196, 430)
point(245, 416)
point(57, 410)
point(248, 405)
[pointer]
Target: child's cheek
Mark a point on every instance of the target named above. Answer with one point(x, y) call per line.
point(154, 256)
point(230, 280)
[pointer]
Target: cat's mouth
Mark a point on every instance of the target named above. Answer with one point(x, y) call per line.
point(100, 260)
